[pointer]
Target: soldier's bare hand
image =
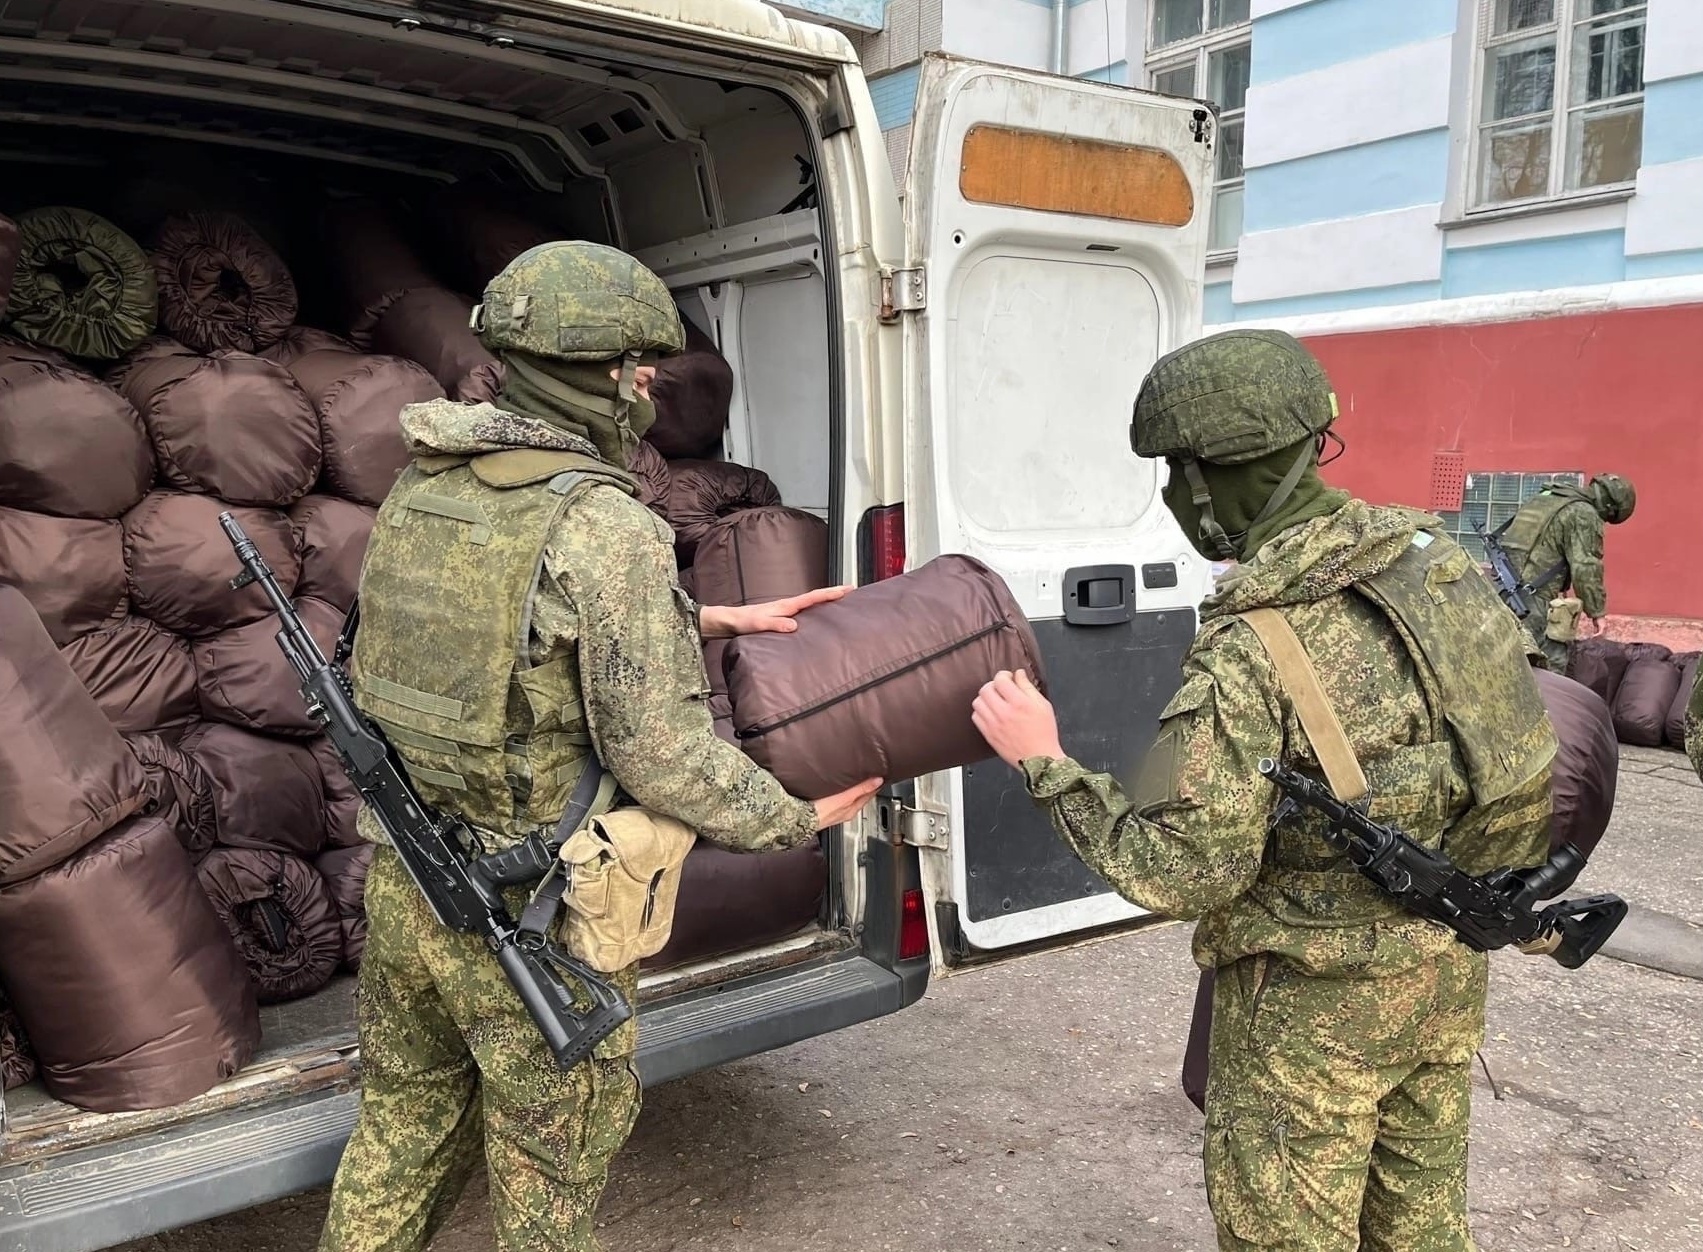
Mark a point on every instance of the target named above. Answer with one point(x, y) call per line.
point(845, 805)
point(1017, 720)
point(776, 616)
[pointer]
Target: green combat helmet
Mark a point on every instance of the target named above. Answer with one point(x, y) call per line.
point(1228, 399)
point(1614, 497)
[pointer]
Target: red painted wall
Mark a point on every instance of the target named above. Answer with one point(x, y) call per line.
point(1605, 393)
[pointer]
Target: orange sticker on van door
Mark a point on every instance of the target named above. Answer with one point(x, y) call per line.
point(1089, 178)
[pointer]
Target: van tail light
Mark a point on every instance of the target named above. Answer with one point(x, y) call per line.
point(881, 544)
point(913, 927)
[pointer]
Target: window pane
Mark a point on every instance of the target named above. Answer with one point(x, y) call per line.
point(1596, 8)
point(1230, 149)
point(1512, 15)
point(1227, 76)
point(1519, 80)
point(1178, 81)
point(1608, 59)
point(1514, 164)
point(1605, 146)
point(1224, 13)
point(1175, 19)
point(1226, 219)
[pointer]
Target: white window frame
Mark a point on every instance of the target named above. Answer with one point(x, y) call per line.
point(1195, 52)
point(1567, 20)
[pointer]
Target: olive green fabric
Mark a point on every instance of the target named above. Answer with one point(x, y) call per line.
point(1694, 724)
point(1561, 525)
point(82, 285)
point(575, 301)
point(1239, 494)
point(1232, 397)
point(578, 398)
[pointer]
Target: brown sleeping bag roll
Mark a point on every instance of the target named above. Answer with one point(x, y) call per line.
point(880, 683)
point(1645, 695)
point(692, 393)
point(179, 564)
point(221, 284)
point(280, 914)
point(69, 444)
point(70, 569)
point(17, 1058)
point(478, 234)
point(651, 469)
point(81, 285)
point(9, 246)
point(298, 341)
point(266, 792)
point(132, 993)
point(243, 677)
point(176, 779)
point(734, 900)
point(754, 556)
point(429, 327)
point(342, 801)
point(345, 872)
point(1675, 728)
point(65, 775)
point(701, 492)
point(359, 401)
point(332, 535)
point(1586, 770)
point(1600, 664)
point(230, 424)
point(142, 677)
point(373, 263)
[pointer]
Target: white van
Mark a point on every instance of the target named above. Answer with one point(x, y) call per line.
point(952, 371)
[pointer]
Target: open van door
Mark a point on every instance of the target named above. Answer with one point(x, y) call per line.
point(1056, 246)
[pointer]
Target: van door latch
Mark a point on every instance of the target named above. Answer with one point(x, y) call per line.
point(902, 291)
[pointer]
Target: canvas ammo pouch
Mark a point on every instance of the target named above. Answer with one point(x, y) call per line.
point(623, 878)
point(1563, 623)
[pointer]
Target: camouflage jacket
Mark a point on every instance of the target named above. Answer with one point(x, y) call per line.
point(1191, 838)
point(1574, 535)
point(608, 594)
point(1694, 724)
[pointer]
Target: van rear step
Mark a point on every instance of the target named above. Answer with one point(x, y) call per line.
point(83, 1201)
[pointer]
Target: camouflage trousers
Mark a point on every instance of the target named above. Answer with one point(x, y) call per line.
point(1537, 626)
point(451, 1065)
point(1337, 1108)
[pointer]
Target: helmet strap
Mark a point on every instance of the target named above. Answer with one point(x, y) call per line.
point(1211, 533)
point(626, 394)
point(1285, 489)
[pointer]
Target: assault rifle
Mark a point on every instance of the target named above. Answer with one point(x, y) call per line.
point(442, 853)
point(1516, 594)
point(1487, 912)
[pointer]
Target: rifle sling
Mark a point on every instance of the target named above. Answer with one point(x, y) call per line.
point(1318, 718)
point(595, 784)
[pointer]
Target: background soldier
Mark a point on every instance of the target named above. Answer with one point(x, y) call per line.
point(514, 526)
point(1343, 1027)
point(1559, 533)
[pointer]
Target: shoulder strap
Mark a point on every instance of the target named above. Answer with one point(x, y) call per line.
point(522, 467)
point(1318, 718)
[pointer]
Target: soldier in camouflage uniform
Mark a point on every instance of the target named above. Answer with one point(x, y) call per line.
point(1342, 1025)
point(520, 612)
point(1694, 724)
point(1561, 529)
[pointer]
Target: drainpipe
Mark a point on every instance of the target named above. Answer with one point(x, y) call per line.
point(1061, 36)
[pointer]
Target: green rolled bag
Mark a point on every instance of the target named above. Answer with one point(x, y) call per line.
point(81, 286)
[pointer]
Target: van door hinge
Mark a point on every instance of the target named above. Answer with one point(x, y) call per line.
point(921, 827)
point(1201, 125)
point(902, 291)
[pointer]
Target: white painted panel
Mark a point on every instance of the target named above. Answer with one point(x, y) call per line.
point(1399, 92)
point(1379, 250)
point(1667, 213)
point(783, 360)
point(1673, 46)
point(1097, 35)
point(1006, 32)
point(1265, 8)
point(1579, 221)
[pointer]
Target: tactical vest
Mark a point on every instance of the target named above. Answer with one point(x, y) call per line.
point(1526, 530)
point(442, 661)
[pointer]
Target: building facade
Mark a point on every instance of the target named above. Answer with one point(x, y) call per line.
point(1486, 216)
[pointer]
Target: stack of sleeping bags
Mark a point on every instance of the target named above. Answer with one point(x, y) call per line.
point(1645, 685)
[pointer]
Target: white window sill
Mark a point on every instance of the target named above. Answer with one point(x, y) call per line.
point(1540, 208)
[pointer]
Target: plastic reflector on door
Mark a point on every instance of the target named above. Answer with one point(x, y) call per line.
point(1089, 178)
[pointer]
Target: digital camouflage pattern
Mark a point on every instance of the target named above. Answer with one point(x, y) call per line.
point(1337, 1109)
point(1560, 523)
point(454, 1074)
point(576, 301)
point(1694, 724)
point(1190, 840)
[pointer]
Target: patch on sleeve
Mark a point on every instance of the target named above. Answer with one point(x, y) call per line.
point(1190, 696)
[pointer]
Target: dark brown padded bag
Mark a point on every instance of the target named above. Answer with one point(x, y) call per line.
point(1600, 664)
point(142, 677)
point(298, 341)
point(176, 779)
point(230, 424)
point(651, 469)
point(280, 914)
point(332, 535)
point(133, 996)
point(1586, 771)
point(729, 901)
point(243, 677)
point(1641, 702)
point(179, 563)
point(9, 248)
point(429, 326)
point(374, 264)
point(880, 683)
point(1674, 730)
point(266, 792)
point(69, 444)
point(359, 400)
point(17, 1058)
point(71, 569)
point(65, 775)
point(345, 871)
point(342, 801)
point(478, 234)
point(221, 284)
point(692, 393)
point(702, 492)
